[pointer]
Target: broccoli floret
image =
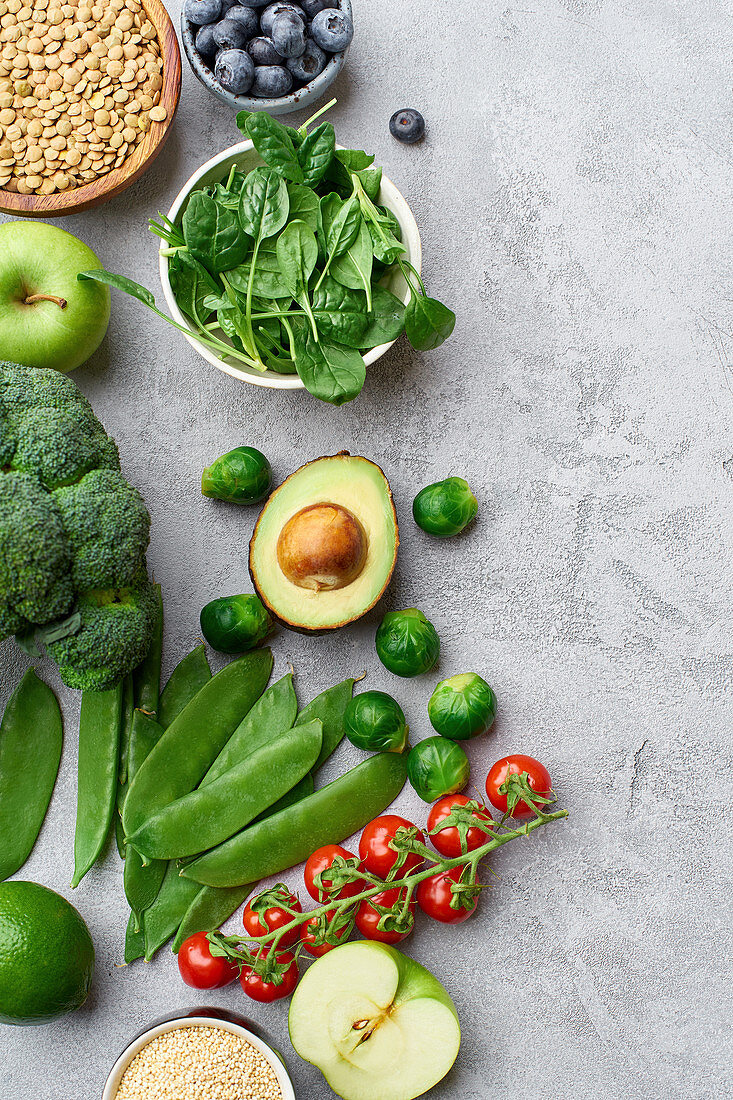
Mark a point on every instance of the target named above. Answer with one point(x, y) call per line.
point(114, 637)
point(59, 446)
point(35, 563)
point(108, 527)
point(24, 388)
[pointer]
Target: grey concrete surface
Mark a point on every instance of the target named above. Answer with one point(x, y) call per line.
point(572, 194)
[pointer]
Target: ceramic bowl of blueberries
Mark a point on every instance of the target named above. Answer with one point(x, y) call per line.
point(255, 55)
point(245, 157)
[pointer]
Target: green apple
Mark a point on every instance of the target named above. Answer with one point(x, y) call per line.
point(47, 318)
point(377, 1024)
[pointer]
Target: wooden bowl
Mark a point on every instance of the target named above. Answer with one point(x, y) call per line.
point(143, 155)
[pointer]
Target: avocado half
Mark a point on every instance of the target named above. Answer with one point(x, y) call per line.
point(325, 545)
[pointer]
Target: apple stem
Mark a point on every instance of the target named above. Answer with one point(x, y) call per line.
point(33, 298)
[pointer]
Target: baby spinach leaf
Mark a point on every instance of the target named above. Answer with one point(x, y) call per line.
point(371, 181)
point(328, 370)
point(121, 282)
point(213, 234)
point(305, 205)
point(353, 268)
point(386, 321)
point(274, 143)
point(266, 278)
point(340, 313)
point(297, 253)
point(263, 204)
point(428, 322)
point(344, 162)
point(192, 286)
point(340, 222)
point(316, 153)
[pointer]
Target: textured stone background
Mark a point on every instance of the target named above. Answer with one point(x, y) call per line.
point(571, 195)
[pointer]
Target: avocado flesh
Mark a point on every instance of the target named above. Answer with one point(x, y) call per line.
point(355, 484)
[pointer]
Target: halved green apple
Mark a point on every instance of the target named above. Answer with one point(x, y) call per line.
point(377, 1024)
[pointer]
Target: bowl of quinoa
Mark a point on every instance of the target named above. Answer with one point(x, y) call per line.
point(198, 1058)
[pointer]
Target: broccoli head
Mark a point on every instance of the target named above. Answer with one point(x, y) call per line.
point(113, 638)
point(36, 585)
point(108, 527)
point(73, 532)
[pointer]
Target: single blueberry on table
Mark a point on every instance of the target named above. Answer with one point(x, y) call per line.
point(309, 64)
point(288, 35)
point(234, 70)
point(332, 29)
point(271, 81)
point(407, 125)
point(247, 17)
point(312, 7)
point(263, 52)
point(205, 43)
point(202, 11)
point(273, 10)
point(230, 35)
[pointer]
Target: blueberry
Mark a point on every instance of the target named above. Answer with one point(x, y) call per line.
point(312, 7)
point(230, 35)
point(309, 64)
point(288, 34)
point(202, 11)
point(253, 3)
point(263, 52)
point(407, 125)
point(271, 81)
point(234, 71)
point(273, 10)
point(332, 29)
point(226, 5)
point(246, 17)
point(205, 43)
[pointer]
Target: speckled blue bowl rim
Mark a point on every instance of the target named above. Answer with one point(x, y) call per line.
point(283, 105)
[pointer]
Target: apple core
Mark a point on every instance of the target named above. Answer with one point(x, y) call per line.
point(322, 547)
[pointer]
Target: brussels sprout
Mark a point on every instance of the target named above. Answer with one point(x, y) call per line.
point(234, 624)
point(407, 644)
point(462, 707)
point(445, 508)
point(436, 767)
point(241, 476)
point(374, 721)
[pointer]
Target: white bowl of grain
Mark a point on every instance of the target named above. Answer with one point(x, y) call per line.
point(198, 1058)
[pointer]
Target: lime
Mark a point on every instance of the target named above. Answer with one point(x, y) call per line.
point(46, 955)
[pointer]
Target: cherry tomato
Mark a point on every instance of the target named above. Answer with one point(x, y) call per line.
point(321, 860)
point(306, 935)
point(367, 918)
point(538, 778)
point(274, 917)
point(434, 897)
point(202, 970)
point(448, 840)
point(374, 850)
point(260, 990)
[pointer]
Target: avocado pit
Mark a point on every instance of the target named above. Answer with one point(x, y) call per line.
point(323, 547)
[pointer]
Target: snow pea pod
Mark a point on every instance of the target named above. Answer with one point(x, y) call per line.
point(210, 815)
point(326, 817)
point(209, 909)
point(128, 706)
point(100, 725)
point(194, 739)
point(187, 678)
point(274, 712)
point(31, 737)
point(163, 917)
point(142, 879)
point(134, 941)
point(329, 708)
point(146, 677)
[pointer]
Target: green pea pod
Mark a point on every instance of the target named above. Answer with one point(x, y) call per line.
point(186, 680)
point(31, 737)
point(134, 941)
point(195, 738)
point(142, 879)
point(329, 708)
point(128, 706)
point(274, 712)
point(210, 815)
point(327, 817)
point(146, 676)
point(209, 909)
point(301, 790)
point(99, 752)
point(164, 916)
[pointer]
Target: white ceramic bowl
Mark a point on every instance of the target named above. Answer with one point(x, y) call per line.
point(118, 1069)
point(246, 157)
